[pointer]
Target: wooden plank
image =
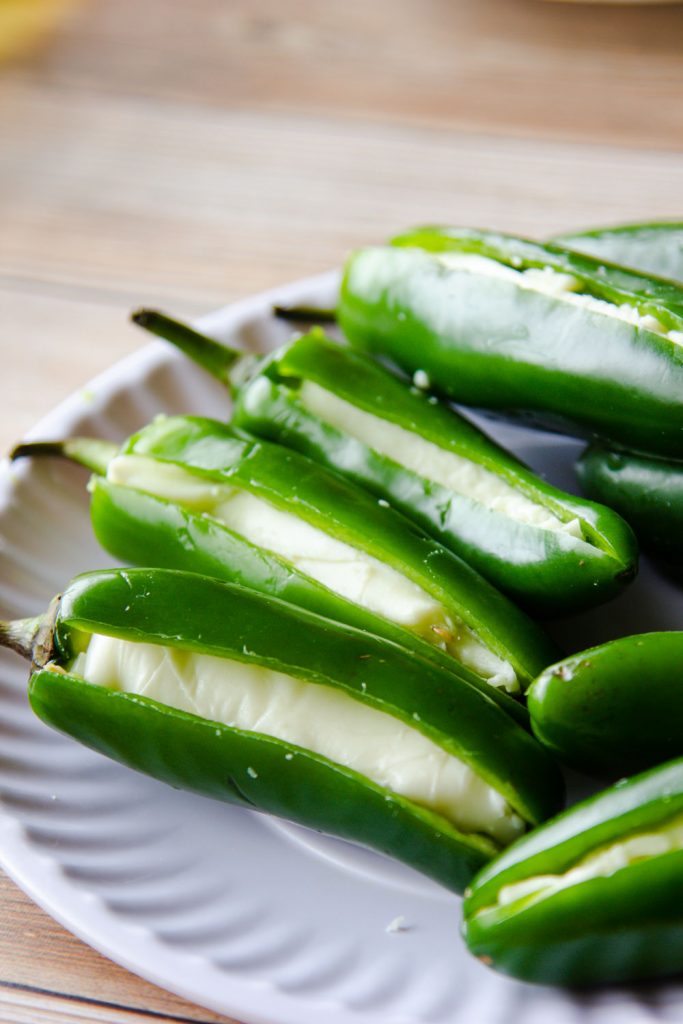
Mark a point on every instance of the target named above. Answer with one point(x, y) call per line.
point(578, 71)
point(166, 201)
point(31, 1006)
point(38, 957)
point(108, 203)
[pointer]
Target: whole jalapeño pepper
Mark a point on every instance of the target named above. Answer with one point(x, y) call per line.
point(614, 709)
point(213, 688)
point(538, 332)
point(594, 896)
point(330, 539)
point(549, 551)
point(646, 491)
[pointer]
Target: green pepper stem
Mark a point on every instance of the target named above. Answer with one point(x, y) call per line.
point(206, 352)
point(92, 453)
point(306, 314)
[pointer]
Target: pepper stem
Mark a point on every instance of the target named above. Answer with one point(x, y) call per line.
point(33, 638)
point(206, 352)
point(20, 635)
point(90, 452)
point(306, 314)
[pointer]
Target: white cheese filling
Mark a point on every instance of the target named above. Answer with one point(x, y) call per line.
point(320, 718)
point(431, 462)
point(561, 286)
point(347, 571)
point(600, 863)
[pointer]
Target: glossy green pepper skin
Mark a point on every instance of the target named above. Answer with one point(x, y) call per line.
point(188, 612)
point(652, 248)
point(490, 342)
point(646, 491)
point(606, 928)
point(547, 571)
point(614, 709)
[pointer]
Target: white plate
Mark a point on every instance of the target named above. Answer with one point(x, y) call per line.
point(247, 916)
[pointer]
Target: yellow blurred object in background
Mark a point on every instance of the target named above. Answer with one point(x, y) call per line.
point(24, 23)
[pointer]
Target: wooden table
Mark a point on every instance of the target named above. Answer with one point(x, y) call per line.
point(185, 155)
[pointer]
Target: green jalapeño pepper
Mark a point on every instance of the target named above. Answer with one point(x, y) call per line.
point(652, 248)
point(549, 551)
point(646, 491)
point(614, 709)
point(216, 689)
point(339, 541)
point(594, 896)
point(556, 337)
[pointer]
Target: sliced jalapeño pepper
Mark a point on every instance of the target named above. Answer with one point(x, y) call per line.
point(655, 247)
point(218, 690)
point(538, 332)
point(330, 541)
point(592, 897)
point(614, 709)
point(549, 551)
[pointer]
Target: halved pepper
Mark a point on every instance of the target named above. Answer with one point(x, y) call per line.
point(614, 709)
point(188, 492)
point(655, 247)
point(549, 551)
point(592, 897)
point(216, 689)
point(646, 491)
point(538, 332)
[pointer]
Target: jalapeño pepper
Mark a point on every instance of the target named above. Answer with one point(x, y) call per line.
point(614, 709)
point(332, 538)
point(548, 550)
point(556, 337)
point(594, 896)
point(216, 689)
point(646, 491)
point(653, 248)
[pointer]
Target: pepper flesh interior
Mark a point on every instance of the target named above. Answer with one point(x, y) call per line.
point(428, 460)
point(600, 863)
point(346, 570)
point(313, 716)
point(561, 286)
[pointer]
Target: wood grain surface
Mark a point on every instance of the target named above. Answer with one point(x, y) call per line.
point(185, 155)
